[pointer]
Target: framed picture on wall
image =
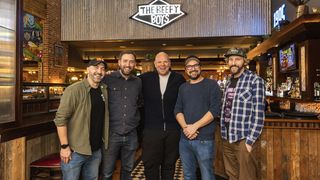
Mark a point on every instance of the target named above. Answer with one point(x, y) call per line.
point(58, 54)
point(32, 37)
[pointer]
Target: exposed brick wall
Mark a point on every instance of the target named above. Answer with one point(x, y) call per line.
point(54, 68)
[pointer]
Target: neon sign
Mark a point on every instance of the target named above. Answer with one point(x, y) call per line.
point(279, 16)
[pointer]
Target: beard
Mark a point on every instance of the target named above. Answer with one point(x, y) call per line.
point(126, 72)
point(194, 77)
point(238, 70)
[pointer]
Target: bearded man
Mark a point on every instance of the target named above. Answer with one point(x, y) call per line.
point(124, 91)
point(197, 104)
point(242, 117)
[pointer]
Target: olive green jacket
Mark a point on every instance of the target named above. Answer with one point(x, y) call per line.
point(74, 112)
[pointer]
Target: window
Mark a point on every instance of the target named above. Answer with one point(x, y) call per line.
point(8, 9)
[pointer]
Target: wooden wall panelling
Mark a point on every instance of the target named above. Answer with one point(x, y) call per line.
point(41, 146)
point(277, 156)
point(285, 153)
point(313, 153)
point(107, 20)
point(304, 154)
point(269, 154)
point(285, 157)
point(12, 158)
point(295, 154)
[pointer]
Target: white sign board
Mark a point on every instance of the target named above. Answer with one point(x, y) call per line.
point(158, 13)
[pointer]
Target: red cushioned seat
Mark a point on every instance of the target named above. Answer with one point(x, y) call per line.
point(50, 161)
point(47, 167)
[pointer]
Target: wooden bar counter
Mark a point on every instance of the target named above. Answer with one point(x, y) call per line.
point(287, 149)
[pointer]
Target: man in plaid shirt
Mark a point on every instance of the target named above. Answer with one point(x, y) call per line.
point(242, 117)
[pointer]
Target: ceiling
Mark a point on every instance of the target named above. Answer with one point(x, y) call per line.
point(209, 50)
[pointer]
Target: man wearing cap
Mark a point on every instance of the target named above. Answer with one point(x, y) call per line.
point(124, 91)
point(197, 104)
point(242, 117)
point(82, 122)
point(160, 146)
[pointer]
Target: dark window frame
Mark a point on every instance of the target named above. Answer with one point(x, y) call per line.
point(23, 126)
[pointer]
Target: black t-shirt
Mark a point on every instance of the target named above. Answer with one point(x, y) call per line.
point(97, 118)
point(230, 92)
point(233, 83)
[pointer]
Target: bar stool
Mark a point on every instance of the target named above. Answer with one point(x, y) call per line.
point(47, 167)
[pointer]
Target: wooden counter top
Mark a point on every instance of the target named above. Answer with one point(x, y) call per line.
point(291, 123)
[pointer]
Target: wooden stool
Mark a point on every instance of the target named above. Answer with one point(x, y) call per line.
point(47, 167)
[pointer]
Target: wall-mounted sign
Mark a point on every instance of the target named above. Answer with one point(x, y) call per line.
point(158, 13)
point(279, 16)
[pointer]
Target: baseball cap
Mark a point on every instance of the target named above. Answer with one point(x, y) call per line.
point(235, 52)
point(96, 62)
point(191, 58)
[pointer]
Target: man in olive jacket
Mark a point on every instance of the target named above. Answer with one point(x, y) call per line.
point(82, 122)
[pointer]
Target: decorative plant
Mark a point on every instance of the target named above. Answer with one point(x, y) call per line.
point(150, 56)
point(298, 2)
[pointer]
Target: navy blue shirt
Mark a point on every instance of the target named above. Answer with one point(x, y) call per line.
point(195, 100)
point(124, 98)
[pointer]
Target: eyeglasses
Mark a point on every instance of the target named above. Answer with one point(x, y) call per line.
point(190, 67)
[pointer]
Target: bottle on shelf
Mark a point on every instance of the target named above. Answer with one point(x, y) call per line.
point(316, 88)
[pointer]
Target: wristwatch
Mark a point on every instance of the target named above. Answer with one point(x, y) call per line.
point(64, 146)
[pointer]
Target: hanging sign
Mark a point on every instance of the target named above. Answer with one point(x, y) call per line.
point(158, 13)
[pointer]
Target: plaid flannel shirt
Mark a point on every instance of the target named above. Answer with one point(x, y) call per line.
point(248, 109)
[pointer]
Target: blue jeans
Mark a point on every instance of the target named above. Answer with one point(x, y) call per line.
point(89, 164)
point(197, 151)
point(126, 145)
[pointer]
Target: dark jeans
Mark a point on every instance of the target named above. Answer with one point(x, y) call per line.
point(160, 150)
point(126, 145)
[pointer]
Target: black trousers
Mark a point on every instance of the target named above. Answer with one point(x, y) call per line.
point(160, 151)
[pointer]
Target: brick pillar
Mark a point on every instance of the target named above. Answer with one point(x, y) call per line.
point(53, 68)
